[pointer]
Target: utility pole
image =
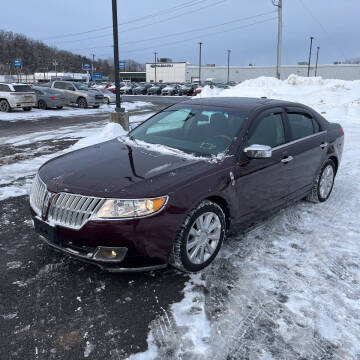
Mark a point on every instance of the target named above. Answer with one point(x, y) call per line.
point(317, 59)
point(92, 67)
point(228, 66)
point(311, 40)
point(155, 54)
point(200, 44)
point(116, 57)
point(279, 42)
point(55, 63)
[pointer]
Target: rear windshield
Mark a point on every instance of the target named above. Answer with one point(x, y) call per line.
point(195, 129)
point(22, 88)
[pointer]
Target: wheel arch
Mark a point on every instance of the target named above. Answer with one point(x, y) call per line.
point(336, 162)
point(224, 206)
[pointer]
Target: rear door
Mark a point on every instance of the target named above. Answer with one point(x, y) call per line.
point(306, 147)
point(262, 184)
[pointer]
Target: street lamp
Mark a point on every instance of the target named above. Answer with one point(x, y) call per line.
point(311, 40)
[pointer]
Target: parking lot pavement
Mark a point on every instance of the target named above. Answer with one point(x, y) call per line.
point(156, 100)
point(54, 307)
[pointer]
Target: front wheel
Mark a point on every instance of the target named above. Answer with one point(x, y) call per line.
point(200, 237)
point(4, 106)
point(323, 184)
point(42, 104)
point(82, 103)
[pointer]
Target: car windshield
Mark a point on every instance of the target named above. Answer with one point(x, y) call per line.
point(80, 86)
point(203, 131)
point(22, 88)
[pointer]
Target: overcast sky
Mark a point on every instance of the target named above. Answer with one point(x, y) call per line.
point(155, 26)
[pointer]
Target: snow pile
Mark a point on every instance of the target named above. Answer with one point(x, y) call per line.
point(290, 287)
point(339, 95)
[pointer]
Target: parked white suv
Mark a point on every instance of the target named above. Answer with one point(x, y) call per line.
point(16, 96)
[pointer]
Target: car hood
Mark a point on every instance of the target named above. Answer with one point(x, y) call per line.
point(115, 169)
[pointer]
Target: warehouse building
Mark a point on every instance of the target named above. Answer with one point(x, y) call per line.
point(183, 72)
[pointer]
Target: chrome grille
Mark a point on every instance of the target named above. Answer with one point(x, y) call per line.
point(73, 211)
point(68, 210)
point(37, 194)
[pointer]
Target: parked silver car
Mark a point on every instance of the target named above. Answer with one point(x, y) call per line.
point(16, 96)
point(49, 98)
point(79, 94)
point(109, 97)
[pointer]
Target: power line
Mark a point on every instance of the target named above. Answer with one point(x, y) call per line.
point(172, 9)
point(182, 32)
point(203, 35)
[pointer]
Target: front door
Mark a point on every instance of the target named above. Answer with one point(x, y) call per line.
point(262, 184)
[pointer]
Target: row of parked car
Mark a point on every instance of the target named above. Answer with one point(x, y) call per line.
point(143, 88)
point(56, 94)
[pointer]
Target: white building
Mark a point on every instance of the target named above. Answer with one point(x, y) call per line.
point(184, 72)
point(167, 72)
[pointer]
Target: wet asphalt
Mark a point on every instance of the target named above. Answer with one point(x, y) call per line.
point(56, 307)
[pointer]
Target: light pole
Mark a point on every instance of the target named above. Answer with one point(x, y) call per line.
point(228, 66)
point(155, 55)
point(200, 44)
point(55, 63)
point(311, 40)
point(279, 42)
point(92, 67)
point(317, 59)
point(118, 107)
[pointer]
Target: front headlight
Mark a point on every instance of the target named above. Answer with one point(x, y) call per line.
point(116, 208)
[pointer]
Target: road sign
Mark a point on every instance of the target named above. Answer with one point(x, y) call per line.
point(122, 64)
point(17, 63)
point(86, 67)
point(96, 76)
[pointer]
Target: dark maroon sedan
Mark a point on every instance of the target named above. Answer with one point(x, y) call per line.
point(170, 191)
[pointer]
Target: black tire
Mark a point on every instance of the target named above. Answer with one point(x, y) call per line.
point(59, 107)
point(42, 105)
point(82, 103)
point(5, 106)
point(27, 108)
point(317, 195)
point(107, 101)
point(179, 256)
point(96, 106)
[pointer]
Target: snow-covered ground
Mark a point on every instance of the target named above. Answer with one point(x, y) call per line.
point(35, 114)
point(290, 287)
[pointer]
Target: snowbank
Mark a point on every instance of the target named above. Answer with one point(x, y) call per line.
point(340, 96)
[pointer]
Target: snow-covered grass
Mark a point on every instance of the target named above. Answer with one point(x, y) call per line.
point(290, 287)
point(35, 114)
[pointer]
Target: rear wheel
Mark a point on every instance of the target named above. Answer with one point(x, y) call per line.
point(323, 184)
point(42, 104)
point(200, 237)
point(82, 103)
point(5, 106)
point(27, 108)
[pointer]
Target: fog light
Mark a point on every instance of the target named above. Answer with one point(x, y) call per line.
point(110, 254)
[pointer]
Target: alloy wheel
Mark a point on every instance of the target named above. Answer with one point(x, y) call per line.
point(203, 238)
point(326, 181)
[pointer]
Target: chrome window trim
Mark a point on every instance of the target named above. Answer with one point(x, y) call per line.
point(298, 140)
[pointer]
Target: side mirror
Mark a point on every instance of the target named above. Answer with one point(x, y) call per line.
point(258, 151)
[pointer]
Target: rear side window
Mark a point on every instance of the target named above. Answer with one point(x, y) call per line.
point(4, 87)
point(301, 125)
point(22, 88)
point(269, 131)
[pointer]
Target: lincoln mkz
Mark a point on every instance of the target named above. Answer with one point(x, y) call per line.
point(172, 189)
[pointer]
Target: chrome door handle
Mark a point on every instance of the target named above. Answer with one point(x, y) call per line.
point(324, 145)
point(287, 159)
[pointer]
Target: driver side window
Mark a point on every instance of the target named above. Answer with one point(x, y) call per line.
point(268, 131)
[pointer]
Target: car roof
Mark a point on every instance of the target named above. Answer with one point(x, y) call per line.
point(240, 103)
